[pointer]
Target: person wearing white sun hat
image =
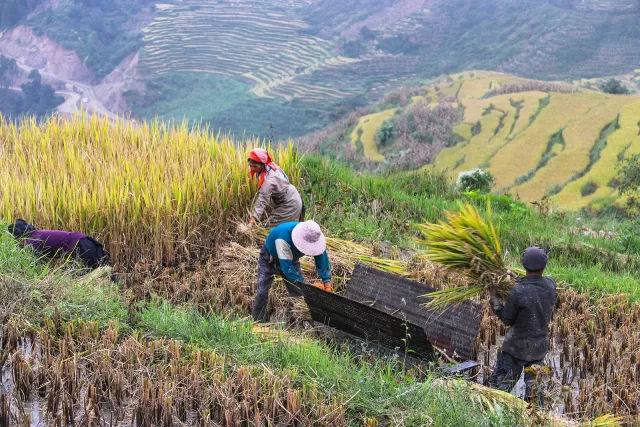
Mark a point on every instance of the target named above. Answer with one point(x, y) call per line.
point(281, 254)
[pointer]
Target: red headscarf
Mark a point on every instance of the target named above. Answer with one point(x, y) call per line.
point(262, 156)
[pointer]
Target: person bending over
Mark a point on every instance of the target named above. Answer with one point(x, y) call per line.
point(277, 201)
point(281, 254)
point(53, 243)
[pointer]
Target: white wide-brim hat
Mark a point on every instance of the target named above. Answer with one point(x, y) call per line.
point(308, 238)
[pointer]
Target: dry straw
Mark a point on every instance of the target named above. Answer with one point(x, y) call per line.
point(154, 191)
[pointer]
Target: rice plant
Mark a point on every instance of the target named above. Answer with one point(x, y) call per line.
point(465, 241)
point(152, 191)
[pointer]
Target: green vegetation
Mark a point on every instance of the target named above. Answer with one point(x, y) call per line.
point(35, 99)
point(599, 254)
point(101, 33)
point(12, 11)
point(222, 102)
point(476, 180)
point(34, 291)
point(614, 87)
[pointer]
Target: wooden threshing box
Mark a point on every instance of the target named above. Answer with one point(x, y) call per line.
point(453, 330)
point(389, 309)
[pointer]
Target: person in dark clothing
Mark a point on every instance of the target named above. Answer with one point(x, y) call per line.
point(53, 243)
point(528, 311)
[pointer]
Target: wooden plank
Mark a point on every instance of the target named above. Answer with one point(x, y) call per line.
point(453, 330)
point(367, 322)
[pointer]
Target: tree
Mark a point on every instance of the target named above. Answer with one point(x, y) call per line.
point(628, 179)
point(8, 71)
point(479, 180)
point(614, 86)
point(385, 133)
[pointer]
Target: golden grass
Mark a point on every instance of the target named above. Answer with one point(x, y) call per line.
point(460, 156)
point(517, 148)
point(624, 140)
point(523, 153)
point(580, 135)
point(468, 243)
point(151, 191)
point(366, 132)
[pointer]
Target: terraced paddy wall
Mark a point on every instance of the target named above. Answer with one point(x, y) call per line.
point(262, 42)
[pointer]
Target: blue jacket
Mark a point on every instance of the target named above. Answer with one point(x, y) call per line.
point(280, 246)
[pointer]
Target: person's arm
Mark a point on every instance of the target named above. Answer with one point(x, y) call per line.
point(323, 267)
point(507, 312)
point(263, 200)
point(289, 270)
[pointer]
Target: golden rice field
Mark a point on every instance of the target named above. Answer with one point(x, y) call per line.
point(541, 140)
point(153, 192)
point(625, 141)
point(366, 131)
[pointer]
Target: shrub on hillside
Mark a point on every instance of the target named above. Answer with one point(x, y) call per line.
point(423, 131)
point(628, 180)
point(475, 180)
point(614, 86)
point(531, 85)
point(385, 133)
point(588, 188)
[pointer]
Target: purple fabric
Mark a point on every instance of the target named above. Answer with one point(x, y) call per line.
point(52, 241)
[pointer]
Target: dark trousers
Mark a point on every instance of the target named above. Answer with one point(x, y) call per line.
point(507, 373)
point(267, 269)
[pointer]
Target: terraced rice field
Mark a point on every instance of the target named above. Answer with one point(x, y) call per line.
point(623, 142)
point(366, 132)
point(262, 42)
point(541, 143)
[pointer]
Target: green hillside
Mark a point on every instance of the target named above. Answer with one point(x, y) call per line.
point(538, 139)
point(293, 66)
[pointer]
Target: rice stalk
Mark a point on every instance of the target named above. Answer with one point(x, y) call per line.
point(150, 191)
point(466, 242)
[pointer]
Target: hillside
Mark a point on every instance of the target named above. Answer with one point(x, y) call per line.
point(284, 68)
point(170, 343)
point(537, 138)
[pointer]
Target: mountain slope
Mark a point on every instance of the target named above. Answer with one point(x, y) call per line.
point(286, 67)
point(537, 138)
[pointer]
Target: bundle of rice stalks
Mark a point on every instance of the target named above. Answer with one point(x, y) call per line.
point(465, 241)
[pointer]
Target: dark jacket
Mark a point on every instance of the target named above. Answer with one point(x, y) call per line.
point(528, 310)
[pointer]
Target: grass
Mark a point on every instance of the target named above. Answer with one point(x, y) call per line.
point(526, 122)
point(34, 288)
point(371, 208)
point(368, 389)
point(380, 389)
point(604, 170)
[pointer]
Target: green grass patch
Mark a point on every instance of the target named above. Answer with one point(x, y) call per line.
point(367, 389)
point(36, 288)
